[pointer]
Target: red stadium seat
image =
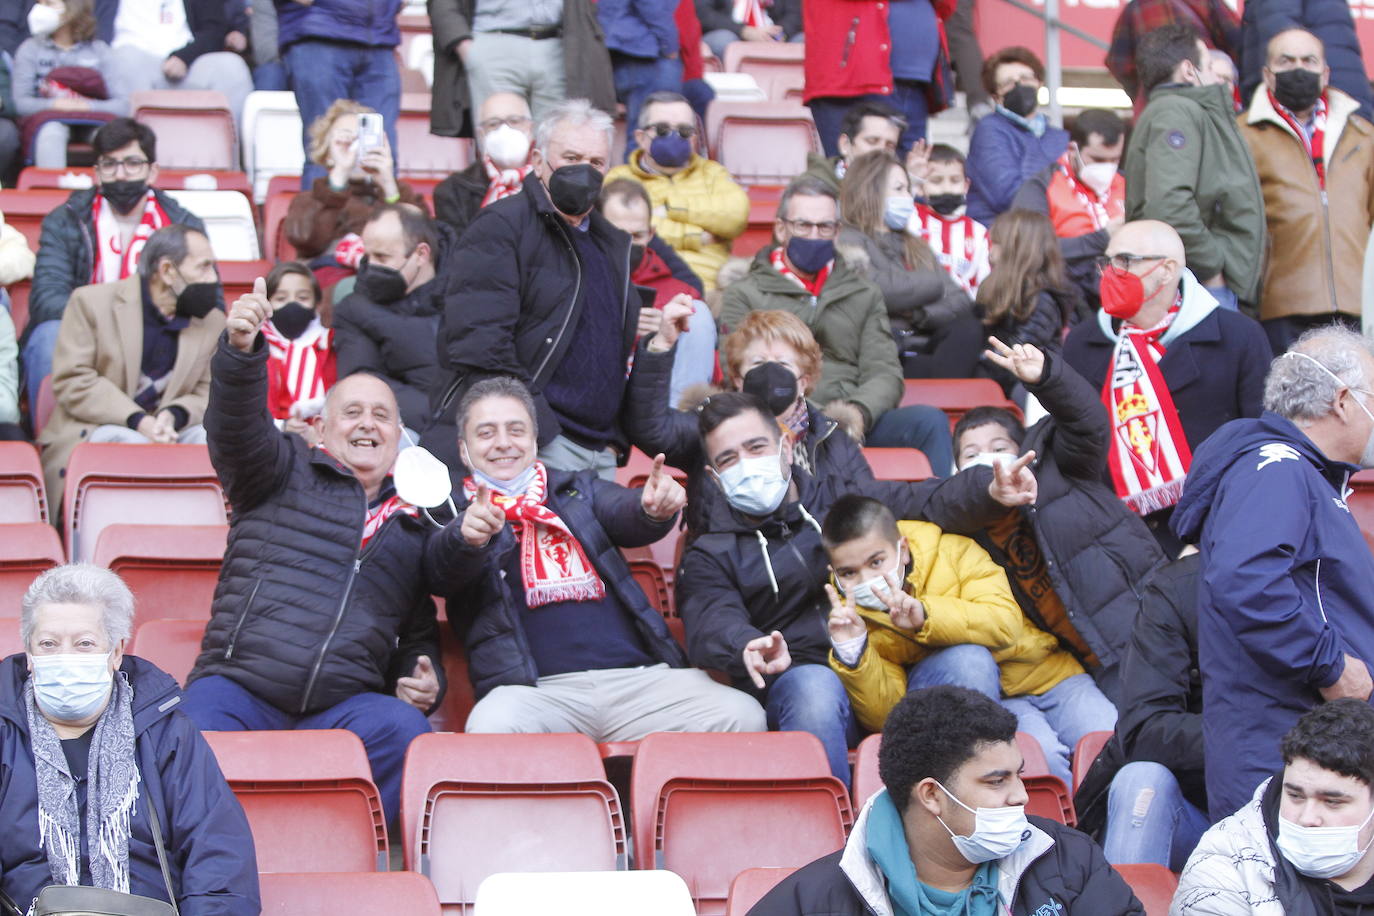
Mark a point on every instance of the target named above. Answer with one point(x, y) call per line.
point(195, 128)
point(866, 778)
point(1047, 796)
point(309, 798)
point(1032, 754)
point(1361, 503)
point(22, 498)
point(422, 153)
point(1154, 886)
point(585, 893)
point(957, 396)
point(172, 645)
point(1089, 746)
point(348, 892)
point(547, 793)
point(635, 473)
point(274, 243)
point(898, 463)
point(459, 698)
point(774, 65)
point(651, 578)
point(10, 641)
point(26, 549)
point(708, 806)
point(761, 142)
point(25, 210)
point(763, 211)
point(167, 179)
point(110, 483)
point(750, 886)
point(237, 277)
point(171, 569)
point(19, 304)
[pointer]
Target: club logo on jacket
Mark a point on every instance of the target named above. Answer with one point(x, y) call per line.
point(1053, 908)
point(1275, 452)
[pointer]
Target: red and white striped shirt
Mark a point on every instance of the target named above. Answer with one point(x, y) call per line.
point(960, 244)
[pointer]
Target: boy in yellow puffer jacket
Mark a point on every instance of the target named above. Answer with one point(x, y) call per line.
point(921, 607)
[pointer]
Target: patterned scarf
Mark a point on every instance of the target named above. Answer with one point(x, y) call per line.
point(750, 12)
point(303, 359)
point(814, 287)
point(378, 514)
point(1149, 456)
point(1095, 206)
point(1315, 144)
point(110, 262)
point(112, 789)
point(553, 565)
point(504, 182)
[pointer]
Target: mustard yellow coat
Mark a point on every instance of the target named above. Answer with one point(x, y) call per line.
point(968, 601)
point(703, 197)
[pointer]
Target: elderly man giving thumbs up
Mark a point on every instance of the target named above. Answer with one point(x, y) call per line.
point(322, 617)
point(560, 637)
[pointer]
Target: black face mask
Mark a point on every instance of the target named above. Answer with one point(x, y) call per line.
point(292, 319)
point(1021, 100)
point(198, 300)
point(774, 384)
point(123, 195)
point(575, 188)
point(1297, 89)
point(945, 204)
point(383, 285)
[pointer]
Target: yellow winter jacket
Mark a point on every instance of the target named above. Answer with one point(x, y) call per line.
point(703, 197)
point(967, 601)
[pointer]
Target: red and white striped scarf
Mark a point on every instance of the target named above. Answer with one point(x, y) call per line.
point(378, 514)
point(1316, 146)
point(814, 287)
point(1149, 456)
point(960, 244)
point(750, 12)
point(553, 565)
point(504, 182)
point(1095, 206)
point(112, 263)
point(303, 359)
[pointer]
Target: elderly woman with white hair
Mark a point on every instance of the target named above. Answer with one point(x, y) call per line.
point(92, 746)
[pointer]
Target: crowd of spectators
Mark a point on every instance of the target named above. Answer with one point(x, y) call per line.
point(1149, 534)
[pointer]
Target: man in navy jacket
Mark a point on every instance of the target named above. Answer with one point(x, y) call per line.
point(1284, 607)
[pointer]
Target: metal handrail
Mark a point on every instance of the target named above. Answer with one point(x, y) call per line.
point(1053, 67)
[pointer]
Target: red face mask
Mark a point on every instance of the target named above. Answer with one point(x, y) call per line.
point(1123, 295)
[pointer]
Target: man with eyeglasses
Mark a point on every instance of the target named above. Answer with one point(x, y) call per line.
point(861, 383)
point(698, 208)
point(504, 135)
point(97, 236)
point(1284, 615)
point(1172, 366)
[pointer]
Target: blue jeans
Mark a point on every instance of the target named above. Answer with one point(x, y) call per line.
point(321, 72)
point(635, 79)
point(908, 97)
point(959, 666)
point(37, 358)
point(810, 698)
point(1060, 716)
point(385, 724)
point(1149, 820)
point(918, 426)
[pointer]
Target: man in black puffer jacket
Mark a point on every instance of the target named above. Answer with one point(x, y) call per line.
point(559, 635)
point(947, 751)
point(1077, 557)
point(322, 616)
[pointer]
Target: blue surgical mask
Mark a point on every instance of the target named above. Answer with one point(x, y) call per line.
point(672, 149)
point(754, 486)
point(897, 211)
point(69, 688)
point(810, 255)
point(515, 487)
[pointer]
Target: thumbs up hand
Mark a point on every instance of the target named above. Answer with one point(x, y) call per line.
point(421, 689)
point(247, 315)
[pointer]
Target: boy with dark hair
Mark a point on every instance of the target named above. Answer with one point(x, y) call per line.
point(924, 608)
point(949, 832)
point(1303, 843)
point(959, 241)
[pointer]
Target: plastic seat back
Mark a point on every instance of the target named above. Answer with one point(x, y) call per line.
point(172, 645)
point(898, 463)
point(775, 66)
point(229, 222)
point(309, 798)
point(1032, 754)
point(659, 893)
point(167, 179)
point(1085, 752)
point(866, 779)
point(237, 277)
point(752, 885)
point(1361, 503)
point(25, 210)
point(271, 141)
point(1154, 885)
point(195, 128)
point(649, 576)
point(763, 210)
point(22, 497)
point(459, 698)
point(10, 640)
point(1047, 796)
point(956, 396)
point(761, 142)
point(422, 153)
point(398, 892)
point(273, 227)
point(171, 569)
point(111, 483)
point(26, 549)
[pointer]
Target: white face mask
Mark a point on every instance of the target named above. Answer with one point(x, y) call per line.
point(987, 459)
point(69, 688)
point(420, 478)
point(1367, 456)
point(754, 486)
point(44, 20)
point(865, 594)
point(897, 211)
point(1098, 176)
point(1322, 852)
point(997, 832)
point(507, 147)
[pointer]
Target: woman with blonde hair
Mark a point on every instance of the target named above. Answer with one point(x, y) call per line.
point(932, 318)
point(328, 219)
